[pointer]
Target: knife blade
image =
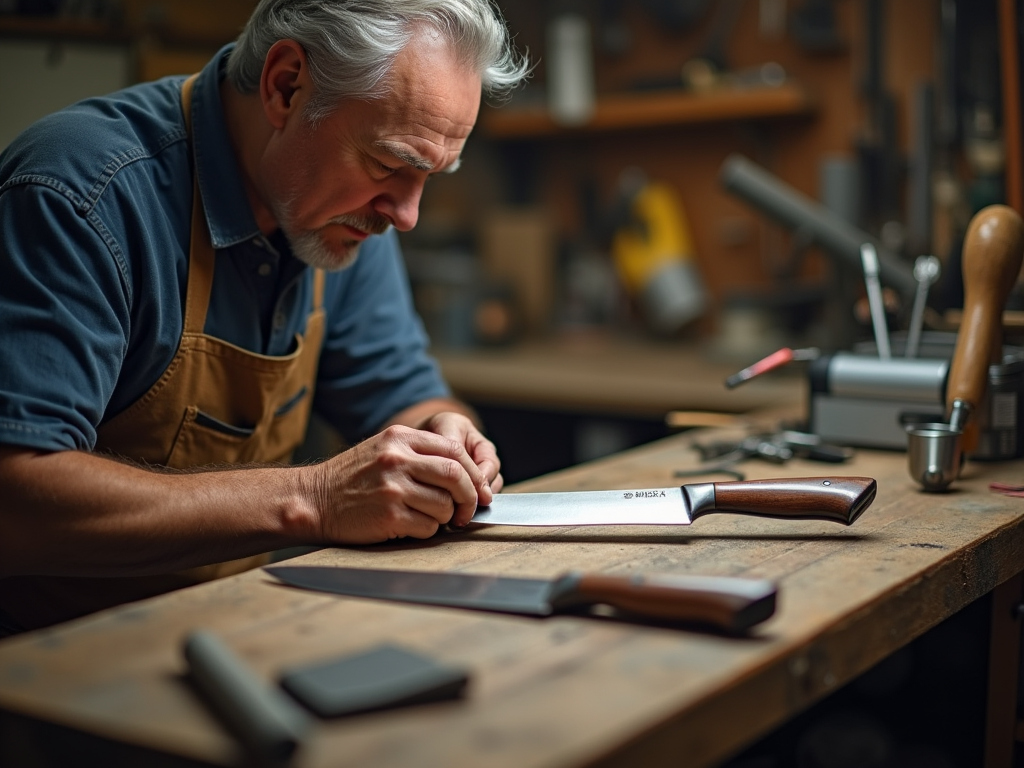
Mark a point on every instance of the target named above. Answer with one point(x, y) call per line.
point(729, 603)
point(835, 499)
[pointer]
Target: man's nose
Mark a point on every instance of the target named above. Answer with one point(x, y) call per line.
point(401, 206)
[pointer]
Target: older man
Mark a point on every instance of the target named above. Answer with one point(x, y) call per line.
point(191, 266)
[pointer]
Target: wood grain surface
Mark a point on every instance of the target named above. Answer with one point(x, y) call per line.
point(563, 691)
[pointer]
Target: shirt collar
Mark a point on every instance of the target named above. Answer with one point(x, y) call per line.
point(225, 203)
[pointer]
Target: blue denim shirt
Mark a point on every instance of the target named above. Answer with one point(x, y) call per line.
point(95, 213)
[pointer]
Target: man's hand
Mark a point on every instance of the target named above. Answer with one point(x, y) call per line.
point(461, 429)
point(401, 482)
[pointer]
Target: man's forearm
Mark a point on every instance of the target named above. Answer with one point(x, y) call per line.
point(74, 513)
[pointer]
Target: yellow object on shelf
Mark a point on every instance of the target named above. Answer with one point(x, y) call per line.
point(653, 254)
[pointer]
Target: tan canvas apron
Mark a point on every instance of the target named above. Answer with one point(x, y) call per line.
point(216, 404)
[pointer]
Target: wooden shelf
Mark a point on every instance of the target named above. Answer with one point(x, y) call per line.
point(72, 30)
point(645, 110)
point(66, 30)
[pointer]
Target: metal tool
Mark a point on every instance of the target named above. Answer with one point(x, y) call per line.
point(774, 447)
point(728, 603)
point(869, 258)
point(859, 400)
point(816, 223)
point(770, 363)
point(864, 401)
point(992, 255)
point(926, 272)
point(834, 499)
point(934, 455)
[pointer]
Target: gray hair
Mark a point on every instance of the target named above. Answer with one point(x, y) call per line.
point(350, 45)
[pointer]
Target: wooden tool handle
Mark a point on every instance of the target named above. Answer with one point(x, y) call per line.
point(837, 499)
point(728, 603)
point(992, 255)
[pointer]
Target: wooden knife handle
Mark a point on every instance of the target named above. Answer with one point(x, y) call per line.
point(731, 604)
point(837, 499)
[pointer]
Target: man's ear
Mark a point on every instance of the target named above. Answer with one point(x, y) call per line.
point(285, 85)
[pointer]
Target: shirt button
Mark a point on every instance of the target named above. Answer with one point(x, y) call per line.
point(264, 270)
point(279, 321)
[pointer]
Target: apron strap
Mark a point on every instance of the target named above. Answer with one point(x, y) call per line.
point(201, 255)
point(319, 278)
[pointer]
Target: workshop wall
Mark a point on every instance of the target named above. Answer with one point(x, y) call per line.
point(56, 52)
point(569, 176)
point(547, 192)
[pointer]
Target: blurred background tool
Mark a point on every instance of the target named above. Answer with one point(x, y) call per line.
point(926, 272)
point(690, 419)
point(773, 447)
point(878, 146)
point(993, 251)
point(570, 67)
point(653, 255)
point(811, 220)
point(770, 363)
point(869, 258)
point(815, 29)
point(858, 399)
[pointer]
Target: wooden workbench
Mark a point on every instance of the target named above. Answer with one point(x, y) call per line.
point(567, 691)
point(623, 376)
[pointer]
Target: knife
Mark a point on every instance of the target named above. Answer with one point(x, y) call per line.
point(729, 603)
point(836, 499)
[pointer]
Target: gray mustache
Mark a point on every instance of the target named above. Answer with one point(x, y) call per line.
point(374, 225)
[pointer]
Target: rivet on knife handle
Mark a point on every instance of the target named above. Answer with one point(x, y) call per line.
point(836, 499)
point(732, 604)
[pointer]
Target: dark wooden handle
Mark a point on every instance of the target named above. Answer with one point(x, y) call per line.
point(838, 499)
point(728, 603)
point(992, 252)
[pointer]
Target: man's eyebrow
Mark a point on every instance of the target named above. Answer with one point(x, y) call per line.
point(409, 157)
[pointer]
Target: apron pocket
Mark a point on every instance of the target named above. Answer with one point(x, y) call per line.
point(208, 421)
point(204, 440)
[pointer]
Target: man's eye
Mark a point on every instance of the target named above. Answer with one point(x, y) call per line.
point(385, 169)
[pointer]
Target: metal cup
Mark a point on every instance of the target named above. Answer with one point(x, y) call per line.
point(934, 455)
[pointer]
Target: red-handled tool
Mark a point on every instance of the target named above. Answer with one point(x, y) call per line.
point(770, 363)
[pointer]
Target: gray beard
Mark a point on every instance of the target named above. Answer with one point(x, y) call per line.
point(309, 247)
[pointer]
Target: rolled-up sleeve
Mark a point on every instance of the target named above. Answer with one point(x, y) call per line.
point(63, 317)
point(375, 360)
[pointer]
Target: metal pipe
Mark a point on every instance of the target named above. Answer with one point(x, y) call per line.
point(754, 184)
